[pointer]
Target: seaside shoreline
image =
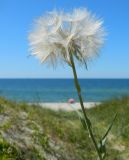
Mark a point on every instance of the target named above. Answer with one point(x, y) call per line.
point(57, 106)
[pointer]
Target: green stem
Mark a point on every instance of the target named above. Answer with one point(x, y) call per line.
point(82, 106)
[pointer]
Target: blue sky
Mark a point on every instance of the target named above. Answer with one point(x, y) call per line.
point(16, 20)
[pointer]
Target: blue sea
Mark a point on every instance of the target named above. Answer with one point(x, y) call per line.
point(60, 90)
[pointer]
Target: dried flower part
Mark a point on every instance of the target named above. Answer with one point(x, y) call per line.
point(58, 33)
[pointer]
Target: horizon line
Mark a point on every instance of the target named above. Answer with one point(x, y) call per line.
point(64, 78)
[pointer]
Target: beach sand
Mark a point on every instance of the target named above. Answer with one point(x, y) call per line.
point(68, 106)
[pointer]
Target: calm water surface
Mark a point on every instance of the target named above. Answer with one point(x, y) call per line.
point(60, 90)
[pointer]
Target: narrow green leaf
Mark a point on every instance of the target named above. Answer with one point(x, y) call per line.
point(102, 147)
point(89, 122)
point(83, 120)
point(102, 142)
point(110, 127)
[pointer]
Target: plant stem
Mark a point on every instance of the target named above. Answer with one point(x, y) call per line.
point(82, 106)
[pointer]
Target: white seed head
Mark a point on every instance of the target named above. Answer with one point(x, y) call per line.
point(57, 34)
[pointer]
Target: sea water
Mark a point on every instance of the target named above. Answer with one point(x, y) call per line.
point(60, 90)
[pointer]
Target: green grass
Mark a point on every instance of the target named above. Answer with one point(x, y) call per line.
point(31, 132)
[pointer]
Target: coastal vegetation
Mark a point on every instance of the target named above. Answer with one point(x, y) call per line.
point(32, 132)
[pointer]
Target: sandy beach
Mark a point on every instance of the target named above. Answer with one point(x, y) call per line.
point(68, 106)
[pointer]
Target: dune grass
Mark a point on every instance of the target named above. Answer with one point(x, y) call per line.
point(30, 132)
